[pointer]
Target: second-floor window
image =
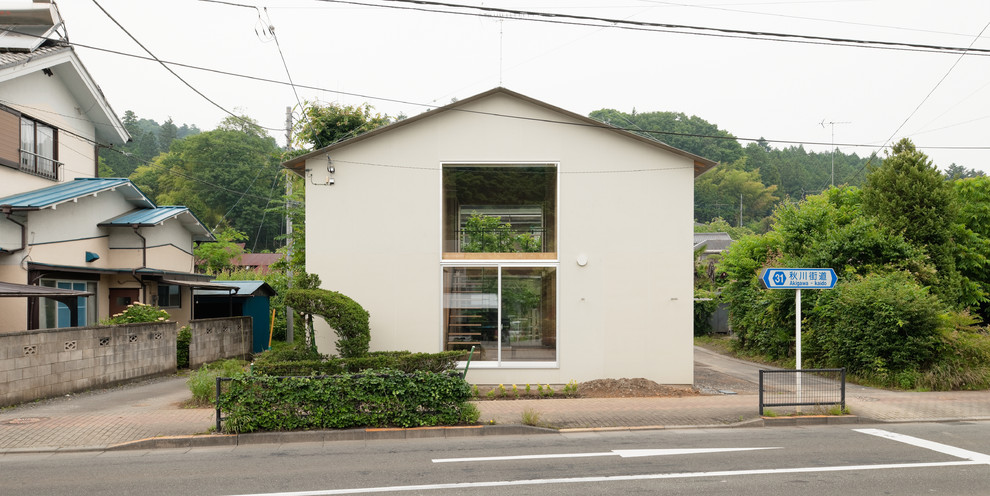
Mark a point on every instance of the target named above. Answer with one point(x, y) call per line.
point(499, 211)
point(38, 149)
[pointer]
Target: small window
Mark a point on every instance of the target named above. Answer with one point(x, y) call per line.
point(54, 314)
point(38, 155)
point(169, 296)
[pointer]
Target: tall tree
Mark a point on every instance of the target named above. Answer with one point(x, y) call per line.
point(909, 196)
point(324, 124)
point(227, 177)
point(689, 133)
point(167, 133)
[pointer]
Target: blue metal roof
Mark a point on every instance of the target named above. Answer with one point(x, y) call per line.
point(52, 196)
point(155, 216)
point(145, 216)
point(244, 288)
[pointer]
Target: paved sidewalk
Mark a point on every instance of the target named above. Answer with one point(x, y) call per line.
point(149, 414)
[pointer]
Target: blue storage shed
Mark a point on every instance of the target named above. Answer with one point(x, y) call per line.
point(252, 299)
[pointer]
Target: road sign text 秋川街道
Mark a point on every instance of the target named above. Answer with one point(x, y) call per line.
point(798, 278)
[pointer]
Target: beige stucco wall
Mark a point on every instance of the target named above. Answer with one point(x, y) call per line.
point(375, 235)
point(60, 109)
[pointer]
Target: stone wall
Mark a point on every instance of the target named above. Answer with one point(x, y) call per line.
point(51, 362)
point(213, 339)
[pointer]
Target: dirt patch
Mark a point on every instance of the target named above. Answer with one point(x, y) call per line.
point(631, 388)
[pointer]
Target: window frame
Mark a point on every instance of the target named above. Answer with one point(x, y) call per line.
point(508, 256)
point(35, 153)
point(498, 265)
point(168, 303)
point(91, 310)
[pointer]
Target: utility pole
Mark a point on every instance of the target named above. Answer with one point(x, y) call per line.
point(289, 317)
point(832, 125)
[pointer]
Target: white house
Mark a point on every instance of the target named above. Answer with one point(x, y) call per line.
point(553, 244)
point(62, 230)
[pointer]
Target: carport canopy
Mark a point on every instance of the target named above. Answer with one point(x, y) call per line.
point(68, 297)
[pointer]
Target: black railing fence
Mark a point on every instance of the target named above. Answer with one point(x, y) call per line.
point(808, 387)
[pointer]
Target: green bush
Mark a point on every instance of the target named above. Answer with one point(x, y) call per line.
point(402, 361)
point(881, 326)
point(383, 399)
point(137, 312)
point(343, 314)
point(203, 382)
point(182, 347)
point(703, 311)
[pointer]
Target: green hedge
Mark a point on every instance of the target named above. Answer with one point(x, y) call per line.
point(182, 347)
point(402, 361)
point(345, 315)
point(385, 399)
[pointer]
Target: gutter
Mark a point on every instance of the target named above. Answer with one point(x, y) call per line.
point(7, 212)
point(144, 261)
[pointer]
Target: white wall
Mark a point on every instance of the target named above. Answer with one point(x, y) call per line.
point(375, 236)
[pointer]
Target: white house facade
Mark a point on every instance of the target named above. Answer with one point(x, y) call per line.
point(554, 245)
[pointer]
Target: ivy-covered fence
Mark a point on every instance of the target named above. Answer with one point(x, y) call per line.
point(382, 399)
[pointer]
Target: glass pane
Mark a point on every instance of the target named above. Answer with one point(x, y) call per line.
point(27, 144)
point(470, 308)
point(46, 149)
point(529, 317)
point(499, 209)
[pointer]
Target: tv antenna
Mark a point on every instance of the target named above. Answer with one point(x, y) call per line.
point(832, 124)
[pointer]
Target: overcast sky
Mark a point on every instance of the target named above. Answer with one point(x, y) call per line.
point(749, 87)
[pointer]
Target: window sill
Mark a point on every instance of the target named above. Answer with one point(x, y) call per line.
point(499, 256)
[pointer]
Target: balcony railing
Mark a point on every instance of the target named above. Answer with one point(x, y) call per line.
point(503, 240)
point(39, 165)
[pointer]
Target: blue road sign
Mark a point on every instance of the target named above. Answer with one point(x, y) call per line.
point(799, 278)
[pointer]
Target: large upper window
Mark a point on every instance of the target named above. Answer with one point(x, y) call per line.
point(56, 315)
point(499, 209)
point(508, 313)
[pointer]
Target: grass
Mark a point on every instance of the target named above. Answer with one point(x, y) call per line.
point(203, 382)
point(531, 417)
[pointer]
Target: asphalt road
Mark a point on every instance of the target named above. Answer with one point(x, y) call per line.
point(902, 459)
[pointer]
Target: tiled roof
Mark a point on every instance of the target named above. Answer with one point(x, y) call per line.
point(11, 59)
point(54, 195)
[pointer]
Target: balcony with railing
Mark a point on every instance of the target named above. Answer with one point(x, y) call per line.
point(39, 165)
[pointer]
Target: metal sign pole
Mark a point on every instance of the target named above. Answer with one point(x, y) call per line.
point(797, 337)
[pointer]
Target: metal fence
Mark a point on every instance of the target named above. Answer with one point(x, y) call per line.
point(807, 387)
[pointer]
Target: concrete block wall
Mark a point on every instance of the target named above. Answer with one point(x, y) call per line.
point(213, 339)
point(51, 362)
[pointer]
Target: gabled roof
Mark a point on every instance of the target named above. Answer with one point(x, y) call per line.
point(712, 241)
point(53, 196)
point(149, 217)
point(701, 164)
point(243, 288)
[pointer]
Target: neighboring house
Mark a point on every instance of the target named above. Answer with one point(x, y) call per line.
point(102, 236)
point(713, 242)
point(593, 279)
point(257, 262)
point(101, 241)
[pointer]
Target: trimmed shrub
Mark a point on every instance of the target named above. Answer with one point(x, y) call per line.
point(343, 314)
point(385, 399)
point(403, 361)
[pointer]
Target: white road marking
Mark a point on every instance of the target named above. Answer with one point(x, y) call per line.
point(616, 478)
point(932, 445)
point(622, 453)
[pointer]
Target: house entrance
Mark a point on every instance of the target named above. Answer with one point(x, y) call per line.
point(121, 297)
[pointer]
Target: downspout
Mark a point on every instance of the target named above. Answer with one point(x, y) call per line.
point(7, 212)
point(144, 261)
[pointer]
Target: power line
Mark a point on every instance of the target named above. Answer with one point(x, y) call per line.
point(571, 19)
point(169, 69)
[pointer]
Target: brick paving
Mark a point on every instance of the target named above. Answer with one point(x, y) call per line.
point(152, 409)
